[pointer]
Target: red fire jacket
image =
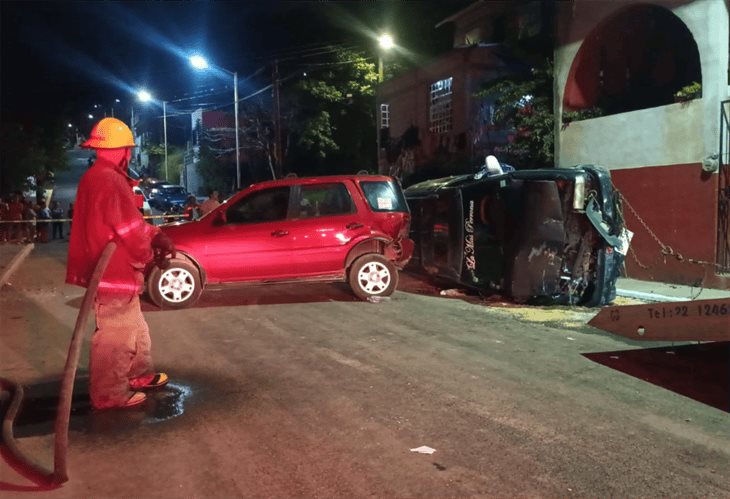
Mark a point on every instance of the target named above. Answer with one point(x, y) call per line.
point(105, 210)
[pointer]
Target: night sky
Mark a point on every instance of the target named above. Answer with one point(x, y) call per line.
point(61, 58)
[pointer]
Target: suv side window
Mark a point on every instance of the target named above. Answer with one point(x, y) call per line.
point(324, 200)
point(384, 196)
point(270, 205)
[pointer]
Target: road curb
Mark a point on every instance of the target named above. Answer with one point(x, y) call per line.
point(19, 257)
point(641, 295)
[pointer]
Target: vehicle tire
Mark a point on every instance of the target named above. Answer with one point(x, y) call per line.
point(372, 275)
point(177, 286)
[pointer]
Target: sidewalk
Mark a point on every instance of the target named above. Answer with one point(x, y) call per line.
point(664, 292)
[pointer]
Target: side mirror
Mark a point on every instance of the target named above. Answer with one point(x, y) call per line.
point(220, 218)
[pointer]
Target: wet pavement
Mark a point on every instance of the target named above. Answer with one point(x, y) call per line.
point(38, 412)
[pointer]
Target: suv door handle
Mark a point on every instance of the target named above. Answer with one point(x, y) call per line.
point(280, 233)
point(353, 225)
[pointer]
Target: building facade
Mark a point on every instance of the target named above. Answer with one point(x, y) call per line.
point(643, 88)
point(432, 113)
point(432, 119)
point(215, 127)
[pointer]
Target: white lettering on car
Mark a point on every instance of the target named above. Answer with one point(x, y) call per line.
point(469, 255)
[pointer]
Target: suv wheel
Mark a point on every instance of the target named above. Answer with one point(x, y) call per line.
point(177, 286)
point(372, 275)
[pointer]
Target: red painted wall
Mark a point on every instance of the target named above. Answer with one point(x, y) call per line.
point(678, 203)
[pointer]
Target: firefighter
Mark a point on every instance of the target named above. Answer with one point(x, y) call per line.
point(120, 362)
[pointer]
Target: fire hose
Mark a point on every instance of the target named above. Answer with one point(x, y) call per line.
point(27, 465)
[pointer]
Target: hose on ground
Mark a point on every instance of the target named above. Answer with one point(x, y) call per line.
point(27, 465)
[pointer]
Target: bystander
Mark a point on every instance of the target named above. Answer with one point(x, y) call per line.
point(57, 216)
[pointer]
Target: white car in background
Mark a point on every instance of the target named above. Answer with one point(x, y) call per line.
point(146, 210)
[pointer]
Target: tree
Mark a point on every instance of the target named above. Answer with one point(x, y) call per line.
point(156, 153)
point(334, 128)
point(30, 151)
point(215, 172)
point(524, 104)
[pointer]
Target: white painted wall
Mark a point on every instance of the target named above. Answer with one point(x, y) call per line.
point(665, 135)
point(672, 134)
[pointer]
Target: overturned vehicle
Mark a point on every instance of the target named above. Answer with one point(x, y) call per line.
point(546, 235)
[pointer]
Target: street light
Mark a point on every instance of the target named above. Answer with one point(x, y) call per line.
point(112, 106)
point(145, 96)
point(199, 62)
point(386, 43)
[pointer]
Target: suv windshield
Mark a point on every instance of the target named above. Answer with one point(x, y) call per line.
point(384, 196)
point(172, 191)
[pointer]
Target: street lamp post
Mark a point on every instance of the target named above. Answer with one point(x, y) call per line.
point(235, 110)
point(143, 96)
point(164, 131)
point(117, 101)
point(199, 62)
point(386, 43)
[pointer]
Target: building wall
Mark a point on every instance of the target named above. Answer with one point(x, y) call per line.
point(409, 97)
point(656, 154)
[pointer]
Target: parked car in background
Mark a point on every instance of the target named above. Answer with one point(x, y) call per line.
point(165, 196)
point(547, 234)
point(342, 228)
point(152, 185)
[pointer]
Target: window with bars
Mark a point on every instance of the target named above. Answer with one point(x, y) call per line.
point(385, 116)
point(440, 110)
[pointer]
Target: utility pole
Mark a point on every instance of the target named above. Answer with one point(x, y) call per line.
point(278, 153)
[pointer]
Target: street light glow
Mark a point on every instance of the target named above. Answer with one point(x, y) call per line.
point(117, 100)
point(70, 125)
point(386, 41)
point(144, 95)
point(198, 62)
point(91, 116)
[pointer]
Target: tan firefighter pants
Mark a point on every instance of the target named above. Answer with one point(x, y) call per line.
point(120, 351)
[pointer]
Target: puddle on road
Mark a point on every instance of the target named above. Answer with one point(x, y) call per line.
point(38, 412)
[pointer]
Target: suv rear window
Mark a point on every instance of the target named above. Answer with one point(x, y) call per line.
point(384, 196)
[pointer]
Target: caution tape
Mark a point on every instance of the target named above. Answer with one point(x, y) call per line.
point(59, 220)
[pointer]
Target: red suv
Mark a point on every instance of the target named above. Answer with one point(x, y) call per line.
point(342, 228)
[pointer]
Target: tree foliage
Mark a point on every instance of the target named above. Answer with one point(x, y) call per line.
point(524, 104)
point(216, 172)
point(332, 123)
point(30, 150)
point(157, 160)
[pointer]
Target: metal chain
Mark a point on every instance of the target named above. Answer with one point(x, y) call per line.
point(666, 250)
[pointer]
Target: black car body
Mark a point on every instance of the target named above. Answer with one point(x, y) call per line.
point(166, 196)
point(552, 234)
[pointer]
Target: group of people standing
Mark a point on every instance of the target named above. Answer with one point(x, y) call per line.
point(24, 221)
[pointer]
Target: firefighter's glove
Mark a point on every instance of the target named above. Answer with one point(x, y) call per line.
point(163, 249)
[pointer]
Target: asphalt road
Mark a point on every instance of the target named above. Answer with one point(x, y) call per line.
point(306, 392)
point(287, 391)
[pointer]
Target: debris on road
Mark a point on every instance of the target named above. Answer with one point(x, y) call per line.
point(424, 449)
point(452, 292)
point(378, 299)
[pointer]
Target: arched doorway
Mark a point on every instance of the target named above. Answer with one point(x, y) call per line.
point(641, 57)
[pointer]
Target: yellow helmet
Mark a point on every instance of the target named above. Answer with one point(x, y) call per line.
point(110, 133)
